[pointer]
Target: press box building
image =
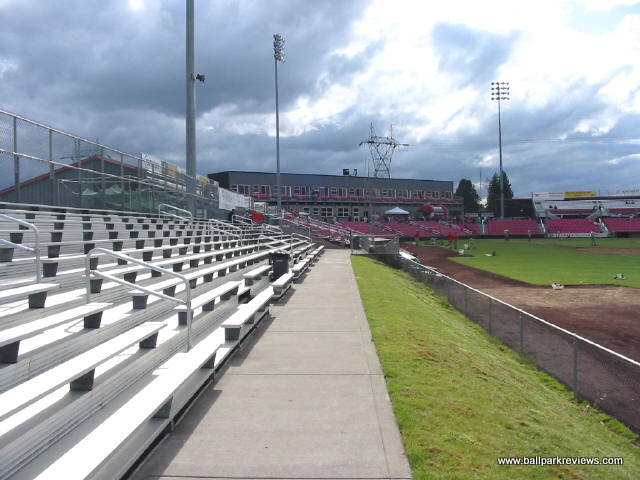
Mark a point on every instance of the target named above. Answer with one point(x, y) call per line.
point(345, 197)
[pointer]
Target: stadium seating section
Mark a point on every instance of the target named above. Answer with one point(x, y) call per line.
point(622, 224)
point(573, 225)
point(90, 365)
point(515, 227)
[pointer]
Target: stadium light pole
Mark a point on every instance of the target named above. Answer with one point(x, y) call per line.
point(278, 56)
point(191, 110)
point(499, 93)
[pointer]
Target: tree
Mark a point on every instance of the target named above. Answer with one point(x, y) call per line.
point(493, 194)
point(470, 196)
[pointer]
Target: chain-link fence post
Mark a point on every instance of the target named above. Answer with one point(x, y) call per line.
point(490, 315)
point(465, 300)
point(575, 366)
point(521, 332)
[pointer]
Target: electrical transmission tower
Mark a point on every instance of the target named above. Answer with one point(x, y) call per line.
point(381, 149)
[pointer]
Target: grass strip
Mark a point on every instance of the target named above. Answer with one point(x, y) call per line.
point(462, 398)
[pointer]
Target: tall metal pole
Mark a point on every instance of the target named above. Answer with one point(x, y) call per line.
point(501, 173)
point(278, 56)
point(499, 92)
point(278, 187)
point(191, 109)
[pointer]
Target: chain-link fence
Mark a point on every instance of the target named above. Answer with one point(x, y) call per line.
point(46, 166)
point(603, 377)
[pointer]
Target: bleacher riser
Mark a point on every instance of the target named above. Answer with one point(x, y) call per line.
point(44, 419)
point(64, 419)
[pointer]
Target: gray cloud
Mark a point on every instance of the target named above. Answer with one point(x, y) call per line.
point(102, 71)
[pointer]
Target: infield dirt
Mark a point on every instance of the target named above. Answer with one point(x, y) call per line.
point(608, 315)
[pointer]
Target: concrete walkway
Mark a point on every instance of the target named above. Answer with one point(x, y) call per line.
point(305, 399)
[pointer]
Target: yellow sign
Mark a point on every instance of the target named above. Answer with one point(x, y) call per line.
point(581, 193)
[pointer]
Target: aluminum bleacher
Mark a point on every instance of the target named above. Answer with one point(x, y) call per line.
point(99, 354)
point(365, 228)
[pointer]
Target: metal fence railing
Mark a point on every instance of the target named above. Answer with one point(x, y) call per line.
point(595, 373)
point(47, 166)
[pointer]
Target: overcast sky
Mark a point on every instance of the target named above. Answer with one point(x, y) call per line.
point(114, 70)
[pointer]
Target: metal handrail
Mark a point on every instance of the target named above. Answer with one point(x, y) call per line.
point(167, 214)
point(96, 273)
point(241, 219)
point(175, 208)
point(30, 226)
point(308, 239)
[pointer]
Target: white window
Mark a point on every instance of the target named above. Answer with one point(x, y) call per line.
point(342, 191)
point(334, 190)
point(296, 189)
point(233, 188)
point(343, 211)
point(315, 210)
point(326, 211)
point(244, 189)
point(306, 209)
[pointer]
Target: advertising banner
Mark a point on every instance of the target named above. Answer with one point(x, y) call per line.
point(229, 200)
point(580, 194)
point(547, 196)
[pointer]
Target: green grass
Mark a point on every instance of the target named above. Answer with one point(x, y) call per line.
point(462, 399)
point(543, 263)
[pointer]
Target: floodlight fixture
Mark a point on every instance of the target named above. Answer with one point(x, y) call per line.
point(278, 47)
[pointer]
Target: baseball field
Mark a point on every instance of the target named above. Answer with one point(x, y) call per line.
point(592, 302)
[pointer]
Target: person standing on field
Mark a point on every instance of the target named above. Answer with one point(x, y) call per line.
point(593, 239)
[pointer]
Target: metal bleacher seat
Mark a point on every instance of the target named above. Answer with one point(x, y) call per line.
point(88, 380)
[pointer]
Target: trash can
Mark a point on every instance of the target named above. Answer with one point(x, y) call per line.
point(280, 264)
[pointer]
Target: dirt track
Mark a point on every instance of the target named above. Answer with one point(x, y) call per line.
point(608, 315)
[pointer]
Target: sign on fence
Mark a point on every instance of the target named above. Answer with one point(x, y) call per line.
point(229, 200)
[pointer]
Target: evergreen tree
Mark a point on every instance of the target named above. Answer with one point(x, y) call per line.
point(493, 194)
point(508, 193)
point(468, 192)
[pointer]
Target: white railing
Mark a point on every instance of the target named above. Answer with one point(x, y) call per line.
point(187, 212)
point(35, 250)
point(187, 302)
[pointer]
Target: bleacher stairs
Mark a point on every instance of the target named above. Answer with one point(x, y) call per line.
point(128, 316)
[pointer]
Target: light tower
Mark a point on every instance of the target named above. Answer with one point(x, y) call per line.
point(381, 149)
point(500, 92)
point(278, 55)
